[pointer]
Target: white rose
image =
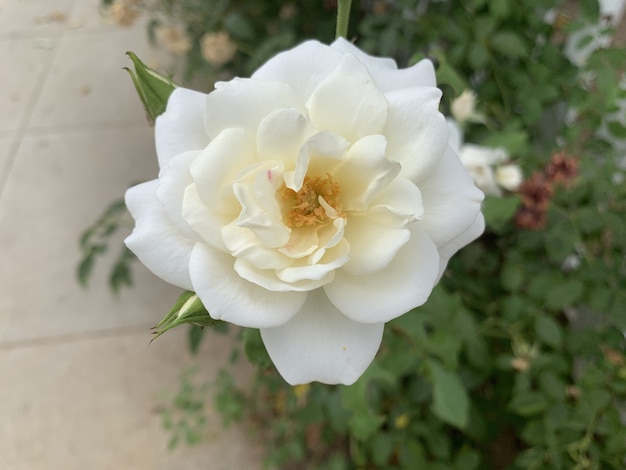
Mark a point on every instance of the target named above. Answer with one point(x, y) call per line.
point(509, 176)
point(485, 164)
point(463, 108)
point(316, 201)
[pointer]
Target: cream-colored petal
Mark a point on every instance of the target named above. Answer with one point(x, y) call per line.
point(231, 298)
point(332, 259)
point(267, 279)
point(451, 200)
point(244, 103)
point(446, 252)
point(320, 344)
point(348, 103)
point(202, 220)
point(174, 177)
point(217, 166)
point(365, 172)
point(302, 67)
point(260, 211)
point(243, 243)
point(281, 134)
point(156, 241)
point(373, 242)
point(417, 133)
point(181, 127)
point(385, 71)
point(404, 284)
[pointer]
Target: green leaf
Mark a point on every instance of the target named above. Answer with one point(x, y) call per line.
point(254, 349)
point(509, 44)
point(499, 211)
point(154, 89)
point(549, 331)
point(450, 400)
point(528, 403)
point(196, 334)
point(565, 294)
point(446, 74)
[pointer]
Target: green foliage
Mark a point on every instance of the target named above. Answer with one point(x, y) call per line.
point(184, 418)
point(94, 243)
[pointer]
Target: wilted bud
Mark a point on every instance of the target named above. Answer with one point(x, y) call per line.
point(174, 39)
point(217, 48)
point(124, 12)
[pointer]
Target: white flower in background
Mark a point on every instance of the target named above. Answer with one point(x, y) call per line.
point(124, 12)
point(316, 201)
point(174, 38)
point(217, 48)
point(463, 108)
point(486, 165)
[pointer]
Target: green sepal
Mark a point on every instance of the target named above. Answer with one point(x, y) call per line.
point(153, 88)
point(188, 309)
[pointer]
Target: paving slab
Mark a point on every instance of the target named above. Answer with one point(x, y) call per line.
point(34, 17)
point(94, 404)
point(59, 185)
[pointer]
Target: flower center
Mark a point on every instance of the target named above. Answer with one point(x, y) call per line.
point(316, 203)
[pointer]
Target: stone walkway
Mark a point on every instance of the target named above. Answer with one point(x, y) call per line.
point(80, 387)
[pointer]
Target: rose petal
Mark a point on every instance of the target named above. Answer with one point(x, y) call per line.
point(373, 243)
point(244, 103)
point(455, 135)
point(230, 298)
point(202, 220)
point(472, 233)
point(451, 200)
point(332, 259)
point(403, 285)
point(217, 166)
point(302, 67)
point(365, 172)
point(156, 241)
point(385, 70)
point(321, 344)
point(281, 134)
point(348, 103)
point(181, 127)
point(173, 179)
point(417, 134)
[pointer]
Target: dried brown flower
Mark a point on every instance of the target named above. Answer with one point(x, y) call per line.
point(562, 169)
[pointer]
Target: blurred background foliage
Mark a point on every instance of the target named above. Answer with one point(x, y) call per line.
point(517, 361)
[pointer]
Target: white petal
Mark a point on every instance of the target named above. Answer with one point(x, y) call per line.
point(267, 279)
point(401, 198)
point(215, 169)
point(385, 70)
point(403, 285)
point(417, 134)
point(319, 155)
point(451, 200)
point(281, 134)
point(373, 244)
point(332, 259)
point(158, 244)
point(472, 233)
point(173, 179)
point(230, 298)
point(243, 243)
point(260, 211)
point(203, 220)
point(455, 135)
point(244, 103)
point(181, 127)
point(348, 103)
point(365, 172)
point(320, 344)
point(302, 67)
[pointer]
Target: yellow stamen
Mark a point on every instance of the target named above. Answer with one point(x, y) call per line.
point(303, 208)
